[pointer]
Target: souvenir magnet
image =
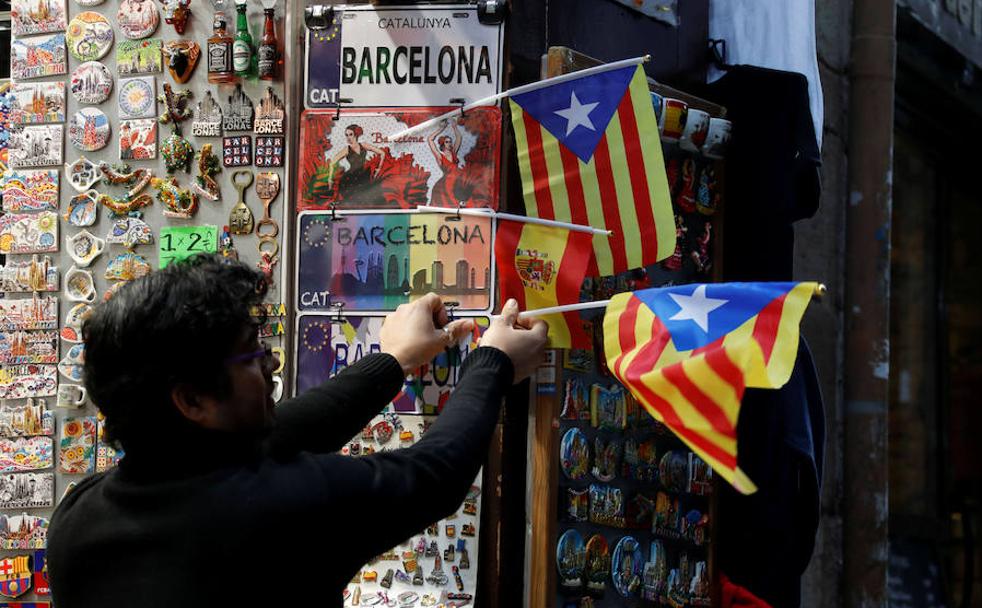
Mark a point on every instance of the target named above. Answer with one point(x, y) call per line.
point(700, 476)
point(138, 139)
point(655, 574)
point(88, 129)
point(84, 247)
point(72, 331)
point(574, 453)
point(137, 18)
point(177, 107)
point(42, 585)
point(89, 2)
point(29, 313)
point(139, 57)
point(27, 190)
point(120, 175)
point(129, 232)
point(28, 380)
point(36, 146)
point(91, 83)
point(177, 13)
point(37, 103)
point(267, 188)
point(209, 118)
point(127, 266)
point(700, 253)
point(177, 153)
point(124, 205)
point(237, 151)
point(208, 166)
point(23, 532)
point(240, 219)
point(77, 445)
point(626, 566)
point(26, 454)
point(606, 458)
point(180, 203)
point(225, 246)
point(696, 128)
point(72, 364)
point(270, 115)
point(570, 559)
point(597, 565)
point(29, 232)
point(37, 57)
point(90, 36)
point(29, 347)
point(238, 114)
point(82, 209)
point(269, 151)
point(182, 57)
point(707, 195)
point(717, 138)
point(27, 420)
point(137, 97)
point(28, 17)
point(82, 174)
point(27, 491)
point(29, 275)
point(79, 285)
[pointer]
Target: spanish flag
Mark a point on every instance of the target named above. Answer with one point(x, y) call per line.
point(542, 266)
point(589, 153)
point(688, 352)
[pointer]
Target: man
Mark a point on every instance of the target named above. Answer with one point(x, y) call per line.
point(224, 500)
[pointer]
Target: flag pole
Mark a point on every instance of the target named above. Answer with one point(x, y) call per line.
point(525, 88)
point(514, 218)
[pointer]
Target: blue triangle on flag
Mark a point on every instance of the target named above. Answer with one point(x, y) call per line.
point(578, 111)
point(727, 306)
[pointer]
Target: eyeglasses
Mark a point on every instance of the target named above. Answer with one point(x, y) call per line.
point(266, 353)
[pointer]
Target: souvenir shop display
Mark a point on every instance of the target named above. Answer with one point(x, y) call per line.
point(37, 102)
point(139, 57)
point(38, 56)
point(30, 190)
point(91, 83)
point(89, 36)
point(28, 17)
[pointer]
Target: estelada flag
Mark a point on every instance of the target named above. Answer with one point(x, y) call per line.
point(589, 153)
point(688, 352)
point(543, 266)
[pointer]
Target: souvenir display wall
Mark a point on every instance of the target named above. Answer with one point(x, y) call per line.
point(109, 177)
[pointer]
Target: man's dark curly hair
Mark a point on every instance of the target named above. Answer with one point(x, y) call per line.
point(174, 326)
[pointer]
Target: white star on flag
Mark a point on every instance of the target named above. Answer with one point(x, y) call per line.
point(577, 114)
point(696, 308)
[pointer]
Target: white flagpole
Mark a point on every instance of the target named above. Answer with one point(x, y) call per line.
point(538, 312)
point(525, 88)
point(515, 218)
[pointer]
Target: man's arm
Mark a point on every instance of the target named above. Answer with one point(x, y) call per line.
point(324, 418)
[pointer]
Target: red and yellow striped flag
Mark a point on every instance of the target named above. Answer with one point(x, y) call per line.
point(687, 353)
point(542, 266)
point(589, 153)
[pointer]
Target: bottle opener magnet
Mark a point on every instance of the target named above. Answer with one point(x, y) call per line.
point(240, 220)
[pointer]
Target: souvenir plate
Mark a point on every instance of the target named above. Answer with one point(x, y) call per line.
point(137, 97)
point(90, 36)
point(137, 18)
point(139, 57)
point(597, 565)
point(29, 17)
point(20, 276)
point(89, 130)
point(29, 313)
point(23, 532)
point(72, 331)
point(352, 164)
point(27, 490)
point(28, 347)
point(37, 102)
point(571, 559)
point(38, 57)
point(83, 209)
point(28, 380)
point(26, 454)
point(82, 174)
point(376, 261)
point(574, 454)
point(626, 566)
point(30, 190)
point(138, 139)
point(77, 445)
point(91, 82)
point(326, 348)
point(29, 232)
point(36, 146)
point(673, 471)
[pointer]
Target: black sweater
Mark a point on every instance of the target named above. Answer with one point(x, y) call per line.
point(212, 519)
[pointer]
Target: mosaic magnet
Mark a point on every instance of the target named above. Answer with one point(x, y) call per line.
point(36, 146)
point(29, 232)
point(37, 103)
point(27, 491)
point(72, 330)
point(71, 367)
point(90, 36)
point(29, 17)
point(208, 166)
point(89, 130)
point(79, 285)
point(129, 232)
point(28, 380)
point(177, 13)
point(138, 139)
point(182, 58)
point(83, 209)
point(126, 204)
point(120, 175)
point(29, 275)
point(180, 203)
point(30, 190)
point(38, 57)
point(137, 97)
point(84, 248)
point(177, 153)
point(137, 18)
point(139, 57)
point(209, 118)
point(77, 445)
point(30, 313)
point(239, 111)
point(237, 151)
point(269, 151)
point(127, 267)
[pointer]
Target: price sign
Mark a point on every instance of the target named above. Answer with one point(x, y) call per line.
point(181, 242)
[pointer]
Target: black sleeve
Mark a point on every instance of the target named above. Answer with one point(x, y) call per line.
point(322, 419)
point(387, 497)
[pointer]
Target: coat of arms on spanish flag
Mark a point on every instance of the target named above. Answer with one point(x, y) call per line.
point(688, 352)
point(589, 153)
point(542, 266)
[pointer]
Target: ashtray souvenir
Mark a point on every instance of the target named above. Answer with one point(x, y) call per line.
point(84, 247)
point(83, 209)
point(79, 285)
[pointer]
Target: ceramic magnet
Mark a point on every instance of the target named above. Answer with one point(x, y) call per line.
point(269, 151)
point(137, 18)
point(137, 97)
point(37, 103)
point(182, 57)
point(106, 456)
point(127, 266)
point(139, 57)
point(79, 285)
point(208, 166)
point(89, 130)
point(29, 347)
point(82, 174)
point(38, 57)
point(71, 396)
point(29, 17)
point(30, 190)
point(209, 118)
point(72, 331)
point(138, 139)
point(91, 83)
point(30, 313)
point(27, 490)
point(23, 532)
point(177, 153)
point(90, 36)
point(36, 146)
point(29, 232)
point(237, 151)
point(83, 209)
point(129, 232)
point(71, 366)
point(27, 420)
point(177, 13)
point(29, 275)
point(84, 247)
point(29, 380)
point(77, 445)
